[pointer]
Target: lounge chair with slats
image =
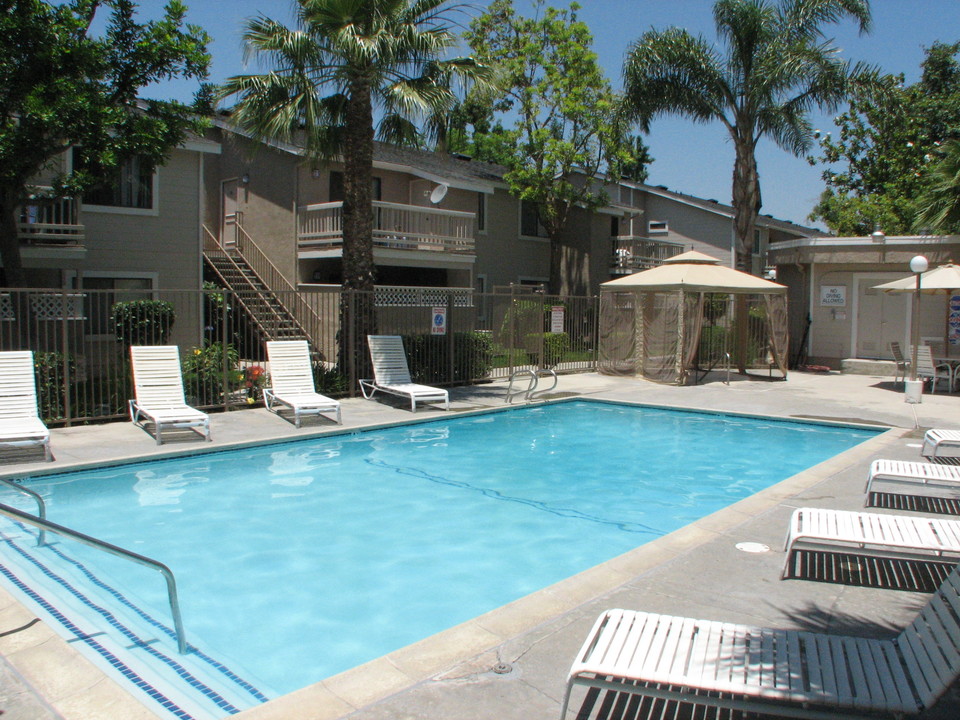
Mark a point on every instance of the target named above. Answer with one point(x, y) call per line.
point(158, 390)
point(20, 423)
point(900, 477)
point(786, 673)
point(936, 439)
point(291, 382)
point(391, 374)
point(898, 537)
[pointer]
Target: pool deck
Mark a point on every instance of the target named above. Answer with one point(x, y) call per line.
point(696, 571)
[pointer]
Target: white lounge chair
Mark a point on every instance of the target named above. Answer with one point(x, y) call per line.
point(20, 424)
point(291, 382)
point(935, 439)
point(919, 478)
point(391, 374)
point(158, 387)
point(902, 537)
point(787, 673)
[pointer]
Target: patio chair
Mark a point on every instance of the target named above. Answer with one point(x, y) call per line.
point(895, 537)
point(786, 673)
point(903, 364)
point(938, 438)
point(391, 374)
point(934, 371)
point(158, 387)
point(20, 424)
point(291, 381)
point(914, 478)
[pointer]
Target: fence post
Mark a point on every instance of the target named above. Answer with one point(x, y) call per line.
point(351, 320)
point(451, 345)
point(67, 406)
point(223, 347)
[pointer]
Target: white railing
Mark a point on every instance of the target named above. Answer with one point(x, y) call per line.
point(44, 219)
point(405, 227)
point(631, 253)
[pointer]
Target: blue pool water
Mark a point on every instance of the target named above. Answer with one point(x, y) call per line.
point(301, 560)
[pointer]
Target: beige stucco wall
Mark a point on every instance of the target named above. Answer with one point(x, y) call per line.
point(694, 227)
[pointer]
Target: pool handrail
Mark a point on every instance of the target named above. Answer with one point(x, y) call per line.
point(113, 550)
point(41, 505)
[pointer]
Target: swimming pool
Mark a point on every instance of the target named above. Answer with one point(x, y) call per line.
point(297, 561)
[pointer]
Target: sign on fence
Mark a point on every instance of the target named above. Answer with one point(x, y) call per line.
point(556, 319)
point(439, 324)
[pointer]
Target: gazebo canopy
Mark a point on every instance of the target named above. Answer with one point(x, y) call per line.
point(651, 321)
point(695, 272)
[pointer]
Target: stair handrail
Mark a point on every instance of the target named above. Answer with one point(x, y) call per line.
point(239, 297)
point(113, 550)
point(259, 262)
point(526, 393)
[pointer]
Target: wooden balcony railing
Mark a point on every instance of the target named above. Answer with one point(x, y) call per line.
point(631, 253)
point(405, 227)
point(50, 220)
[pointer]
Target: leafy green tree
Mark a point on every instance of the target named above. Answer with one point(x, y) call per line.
point(774, 67)
point(344, 60)
point(939, 204)
point(61, 86)
point(566, 125)
point(888, 139)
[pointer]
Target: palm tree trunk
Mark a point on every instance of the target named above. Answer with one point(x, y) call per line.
point(357, 318)
point(746, 200)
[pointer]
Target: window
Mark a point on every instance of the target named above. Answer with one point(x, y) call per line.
point(614, 226)
point(481, 212)
point(530, 224)
point(128, 186)
point(107, 291)
point(657, 227)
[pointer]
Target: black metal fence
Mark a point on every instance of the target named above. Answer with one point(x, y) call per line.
point(80, 339)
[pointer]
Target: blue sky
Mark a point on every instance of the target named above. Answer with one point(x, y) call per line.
point(695, 159)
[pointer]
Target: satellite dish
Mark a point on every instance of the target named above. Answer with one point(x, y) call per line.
point(438, 194)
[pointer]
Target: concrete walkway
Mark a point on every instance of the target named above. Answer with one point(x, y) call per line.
point(510, 664)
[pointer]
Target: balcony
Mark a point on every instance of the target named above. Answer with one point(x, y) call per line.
point(44, 220)
point(402, 227)
point(631, 253)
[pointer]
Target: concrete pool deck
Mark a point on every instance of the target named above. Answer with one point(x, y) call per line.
point(695, 571)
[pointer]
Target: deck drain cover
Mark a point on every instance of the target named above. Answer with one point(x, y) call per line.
point(502, 668)
point(753, 547)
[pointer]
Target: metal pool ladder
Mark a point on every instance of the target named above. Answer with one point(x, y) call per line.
point(534, 381)
point(46, 525)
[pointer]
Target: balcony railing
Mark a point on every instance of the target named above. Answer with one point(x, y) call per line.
point(631, 253)
point(50, 220)
point(404, 227)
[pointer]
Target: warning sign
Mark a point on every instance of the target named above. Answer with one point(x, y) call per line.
point(439, 324)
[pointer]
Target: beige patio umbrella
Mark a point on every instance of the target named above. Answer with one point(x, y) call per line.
point(942, 280)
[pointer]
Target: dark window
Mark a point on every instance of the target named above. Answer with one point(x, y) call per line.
point(481, 212)
point(530, 225)
point(336, 187)
point(129, 185)
point(614, 226)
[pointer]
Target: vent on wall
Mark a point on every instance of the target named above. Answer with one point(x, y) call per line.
point(657, 227)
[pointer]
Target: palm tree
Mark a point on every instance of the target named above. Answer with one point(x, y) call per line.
point(344, 62)
point(775, 67)
point(940, 202)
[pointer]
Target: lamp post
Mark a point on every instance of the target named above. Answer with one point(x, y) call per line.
point(918, 266)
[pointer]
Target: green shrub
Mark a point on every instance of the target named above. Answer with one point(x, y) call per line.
point(555, 348)
point(143, 322)
point(429, 358)
point(56, 375)
point(210, 371)
point(329, 381)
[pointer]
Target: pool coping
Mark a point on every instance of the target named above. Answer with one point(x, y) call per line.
point(33, 651)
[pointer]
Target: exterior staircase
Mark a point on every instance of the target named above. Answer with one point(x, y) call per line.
point(271, 318)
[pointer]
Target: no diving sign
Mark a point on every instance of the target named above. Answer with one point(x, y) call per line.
point(439, 324)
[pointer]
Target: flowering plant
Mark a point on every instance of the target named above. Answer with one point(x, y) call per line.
point(254, 379)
